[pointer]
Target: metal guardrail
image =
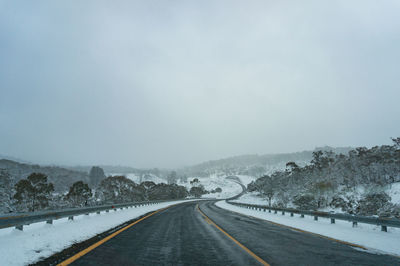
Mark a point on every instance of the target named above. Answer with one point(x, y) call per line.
point(355, 219)
point(20, 219)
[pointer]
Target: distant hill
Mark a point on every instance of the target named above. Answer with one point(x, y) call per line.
point(123, 170)
point(106, 168)
point(61, 178)
point(11, 158)
point(254, 164)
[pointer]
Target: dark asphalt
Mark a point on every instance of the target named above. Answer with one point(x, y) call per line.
point(181, 236)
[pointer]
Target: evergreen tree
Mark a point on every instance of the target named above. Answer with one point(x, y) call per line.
point(6, 190)
point(119, 189)
point(33, 193)
point(96, 175)
point(79, 194)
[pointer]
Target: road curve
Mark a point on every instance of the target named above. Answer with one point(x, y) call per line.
point(181, 235)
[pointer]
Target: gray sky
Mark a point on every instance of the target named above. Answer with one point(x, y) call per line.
point(171, 83)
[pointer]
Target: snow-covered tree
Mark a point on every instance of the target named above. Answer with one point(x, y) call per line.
point(119, 189)
point(331, 179)
point(96, 174)
point(33, 193)
point(79, 194)
point(6, 191)
point(197, 191)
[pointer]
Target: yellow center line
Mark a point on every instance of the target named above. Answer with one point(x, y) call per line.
point(95, 245)
point(304, 231)
point(263, 262)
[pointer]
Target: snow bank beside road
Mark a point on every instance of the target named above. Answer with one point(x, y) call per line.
point(365, 235)
point(41, 240)
point(252, 198)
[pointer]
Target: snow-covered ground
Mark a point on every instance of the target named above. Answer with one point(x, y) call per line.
point(246, 179)
point(394, 192)
point(41, 240)
point(229, 188)
point(356, 193)
point(252, 198)
point(366, 235)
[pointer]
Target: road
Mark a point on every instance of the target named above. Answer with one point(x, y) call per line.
point(181, 235)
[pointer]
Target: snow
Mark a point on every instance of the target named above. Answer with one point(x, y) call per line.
point(229, 188)
point(41, 240)
point(246, 179)
point(252, 198)
point(365, 235)
point(394, 192)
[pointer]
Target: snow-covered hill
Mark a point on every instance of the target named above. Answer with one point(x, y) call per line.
point(229, 188)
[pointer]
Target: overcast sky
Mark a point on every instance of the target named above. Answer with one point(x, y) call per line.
point(172, 83)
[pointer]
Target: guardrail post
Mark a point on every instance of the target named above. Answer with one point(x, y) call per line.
point(354, 224)
point(98, 212)
point(383, 228)
point(302, 216)
point(283, 212)
point(269, 210)
point(115, 209)
point(49, 222)
point(276, 212)
point(332, 220)
point(20, 227)
point(71, 218)
point(291, 214)
point(265, 209)
point(315, 218)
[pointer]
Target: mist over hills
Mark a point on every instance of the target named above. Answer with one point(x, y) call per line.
point(251, 164)
point(328, 176)
point(256, 165)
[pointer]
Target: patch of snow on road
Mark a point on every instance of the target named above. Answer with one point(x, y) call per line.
point(366, 235)
point(41, 240)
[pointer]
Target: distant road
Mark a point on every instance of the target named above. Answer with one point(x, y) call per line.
point(182, 235)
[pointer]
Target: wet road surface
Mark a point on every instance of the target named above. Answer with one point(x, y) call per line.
point(181, 235)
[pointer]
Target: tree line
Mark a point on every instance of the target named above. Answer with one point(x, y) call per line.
point(354, 183)
point(35, 193)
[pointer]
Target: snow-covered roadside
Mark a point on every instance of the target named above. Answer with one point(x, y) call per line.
point(365, 235)
point(41, 240)
point(252, 198)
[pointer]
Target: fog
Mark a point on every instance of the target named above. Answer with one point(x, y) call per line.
point(172, 83)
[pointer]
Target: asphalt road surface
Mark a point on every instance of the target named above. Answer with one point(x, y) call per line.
point(182, 235)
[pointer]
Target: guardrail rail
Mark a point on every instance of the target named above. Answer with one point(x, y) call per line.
point(20, 219)
point(355, 219)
